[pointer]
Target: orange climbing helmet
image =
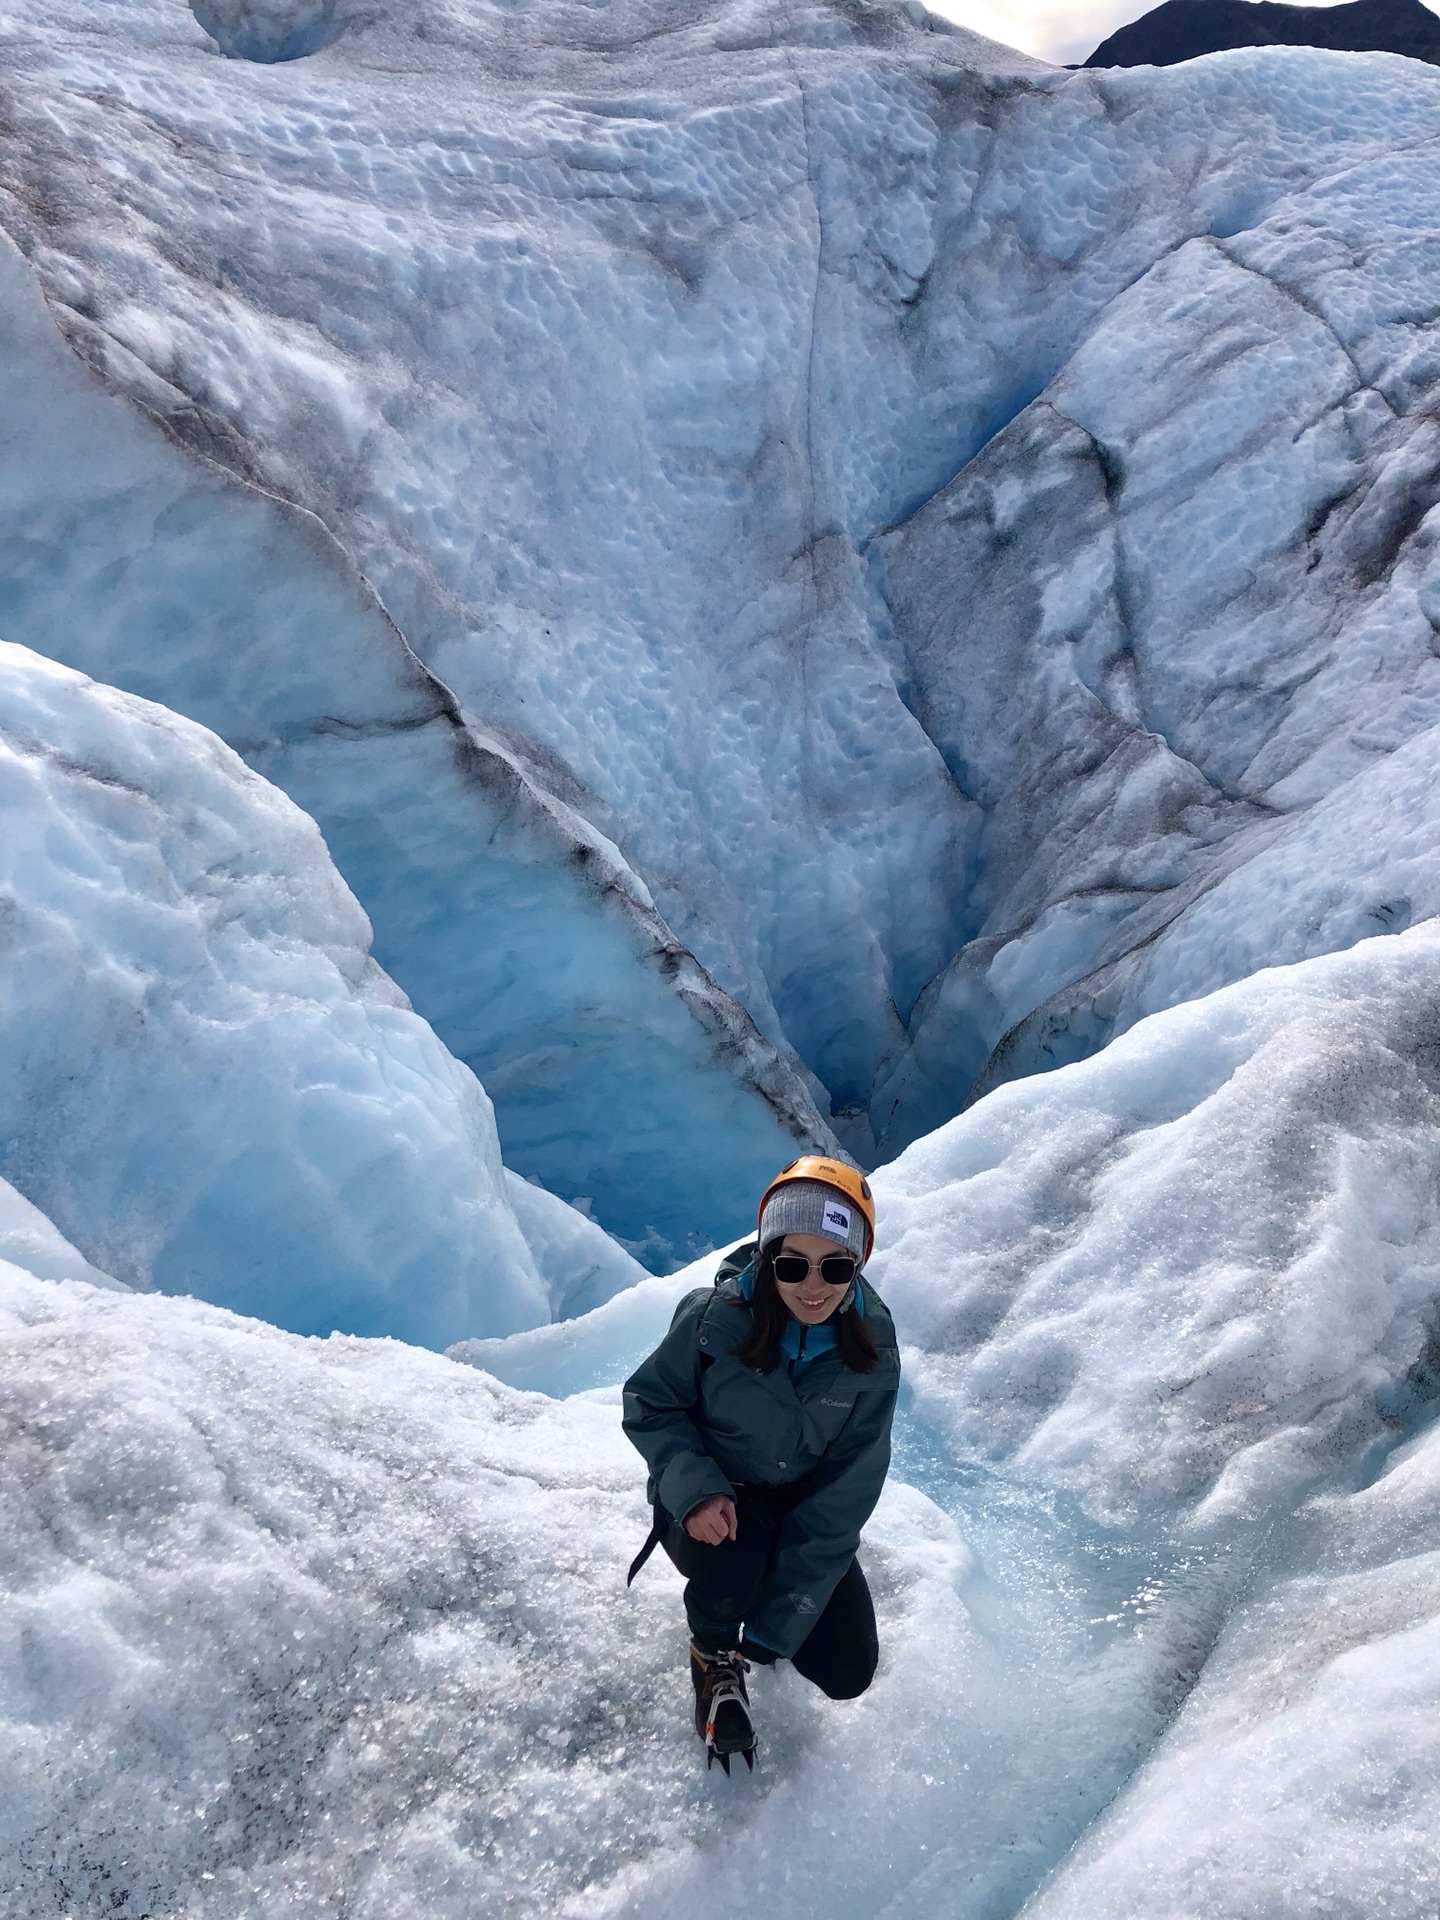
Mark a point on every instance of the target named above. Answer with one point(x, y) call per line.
point(831, 1173)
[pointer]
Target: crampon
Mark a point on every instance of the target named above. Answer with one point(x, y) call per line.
point(722, 1706)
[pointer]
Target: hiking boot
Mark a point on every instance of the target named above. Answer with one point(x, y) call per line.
point(722, 1706)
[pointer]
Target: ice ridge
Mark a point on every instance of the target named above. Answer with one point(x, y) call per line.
point(682, 385)
point(520, 932)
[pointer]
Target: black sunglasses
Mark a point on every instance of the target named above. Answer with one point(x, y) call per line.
point(836, 1269)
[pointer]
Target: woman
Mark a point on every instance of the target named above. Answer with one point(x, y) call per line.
point(764, 1418)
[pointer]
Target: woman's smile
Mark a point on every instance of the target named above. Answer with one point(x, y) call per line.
point(810, 1300)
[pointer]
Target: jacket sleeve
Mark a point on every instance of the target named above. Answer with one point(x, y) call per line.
point(660, 1399)
point(821, 1533)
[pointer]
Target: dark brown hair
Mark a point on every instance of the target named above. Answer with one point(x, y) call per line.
point(769, 1319)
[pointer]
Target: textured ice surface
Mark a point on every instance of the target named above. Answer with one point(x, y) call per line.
point(520, 932)
point(578, 1261)
point(29, 1240)
point(1237, 697)
point(289, 1625)
point(953, 545)
point(338, 1621)
point(596, 1349)
point(1195, 1276)
point(204, 1079)
point(1301, 1776)
point(632, 356)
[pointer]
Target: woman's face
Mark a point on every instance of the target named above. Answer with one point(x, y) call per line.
point(810, 1300)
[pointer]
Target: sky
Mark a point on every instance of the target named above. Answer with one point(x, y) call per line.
point(1058, 30)
point(1062, 31)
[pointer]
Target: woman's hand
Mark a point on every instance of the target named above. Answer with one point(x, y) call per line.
point(713, 1521)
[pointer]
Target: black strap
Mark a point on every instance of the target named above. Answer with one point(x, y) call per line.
point(657, 1533)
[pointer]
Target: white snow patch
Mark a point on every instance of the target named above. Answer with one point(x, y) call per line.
point(294, 1624)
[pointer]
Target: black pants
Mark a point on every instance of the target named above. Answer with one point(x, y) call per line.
point(840, 1652)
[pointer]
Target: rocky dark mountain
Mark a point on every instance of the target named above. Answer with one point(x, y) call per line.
point(1184, 29)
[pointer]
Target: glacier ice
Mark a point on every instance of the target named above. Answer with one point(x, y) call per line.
point(593, 1350)
point(1237, 701)
point(307, 1621)
point(294, 1622)
point(34, 1243)
point(699, 388)
point(793, 555)
point(269, 30)
point(519, 932)
point(578, 1261)
point(1301, 1774)
point(205, 1080)
point(1195, 1275)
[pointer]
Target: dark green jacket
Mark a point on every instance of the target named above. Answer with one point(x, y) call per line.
point(705, 1423)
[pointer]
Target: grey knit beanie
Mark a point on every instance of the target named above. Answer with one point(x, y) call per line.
point(810, 1206)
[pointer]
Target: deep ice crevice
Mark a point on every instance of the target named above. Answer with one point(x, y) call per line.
point(932, 191)
point(1375, 494)
point(1170, 1313)
point(199, 590)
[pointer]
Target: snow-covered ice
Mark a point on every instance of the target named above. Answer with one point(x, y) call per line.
point(294, 1625)
point(1189, 1276)
point(806, 569)
point(339, 1620)
point(205, 1080)
point(591, 1351)
point(1302, 1775)
point(1168, 1314)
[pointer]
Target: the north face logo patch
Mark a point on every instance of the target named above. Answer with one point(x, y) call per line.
point(836, 1220)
